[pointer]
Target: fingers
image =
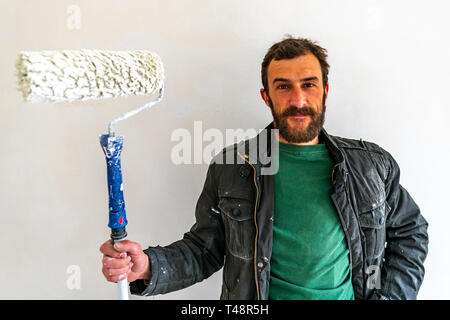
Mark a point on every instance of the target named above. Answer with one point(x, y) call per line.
point(130, 247)
point(114, 275)
point(114, 250)
point(113, 263)
point(116, 269)
point(119, 258)
point(108, 249)
point(119, 271)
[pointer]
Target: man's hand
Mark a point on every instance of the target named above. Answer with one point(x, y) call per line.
point(124, 259)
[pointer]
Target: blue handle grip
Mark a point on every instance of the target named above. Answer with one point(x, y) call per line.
point(112, 147)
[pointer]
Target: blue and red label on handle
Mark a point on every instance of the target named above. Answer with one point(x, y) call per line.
point(112, 147)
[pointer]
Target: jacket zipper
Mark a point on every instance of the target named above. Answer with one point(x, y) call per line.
point(360, 232)
point(256, 226)
point(341, 219)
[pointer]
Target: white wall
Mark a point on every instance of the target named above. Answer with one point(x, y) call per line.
point(388, 84)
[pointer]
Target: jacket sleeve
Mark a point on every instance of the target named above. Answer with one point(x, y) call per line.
point(407, 241)
point(195, 257)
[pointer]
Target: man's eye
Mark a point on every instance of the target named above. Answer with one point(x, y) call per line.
point(309, 85)
point(282, 86)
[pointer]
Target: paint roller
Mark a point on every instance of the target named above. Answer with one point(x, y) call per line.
point(80, 75)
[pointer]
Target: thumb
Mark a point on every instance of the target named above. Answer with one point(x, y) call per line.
point(118, 246)
point(132, 248)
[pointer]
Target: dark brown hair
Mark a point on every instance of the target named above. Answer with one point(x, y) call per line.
point(290, 48)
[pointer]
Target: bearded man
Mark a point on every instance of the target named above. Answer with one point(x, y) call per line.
point(332, 222)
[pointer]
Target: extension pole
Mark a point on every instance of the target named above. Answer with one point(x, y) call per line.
point(112, 147)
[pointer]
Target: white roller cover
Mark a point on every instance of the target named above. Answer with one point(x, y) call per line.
point(70, 75)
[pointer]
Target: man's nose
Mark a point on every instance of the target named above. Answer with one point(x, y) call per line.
point(298, 97)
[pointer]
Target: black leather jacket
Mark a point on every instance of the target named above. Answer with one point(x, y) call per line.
point(386, 234)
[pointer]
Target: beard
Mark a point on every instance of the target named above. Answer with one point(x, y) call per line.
point(299, 135)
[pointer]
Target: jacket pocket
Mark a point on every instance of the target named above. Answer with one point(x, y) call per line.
point(372, 219)
point(237, 214)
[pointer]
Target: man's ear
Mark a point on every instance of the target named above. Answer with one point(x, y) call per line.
point(264, 96)
point(326, 90)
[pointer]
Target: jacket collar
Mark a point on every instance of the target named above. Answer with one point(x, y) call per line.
point(261, 157)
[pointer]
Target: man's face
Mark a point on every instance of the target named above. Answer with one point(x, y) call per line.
point(296, 98)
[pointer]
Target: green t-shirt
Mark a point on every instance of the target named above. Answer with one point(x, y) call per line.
point(310, 257)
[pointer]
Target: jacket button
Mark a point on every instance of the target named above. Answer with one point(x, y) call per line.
point(244, 171)
point(236, 212)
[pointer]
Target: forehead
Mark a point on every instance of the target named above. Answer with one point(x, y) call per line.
point(300, 67)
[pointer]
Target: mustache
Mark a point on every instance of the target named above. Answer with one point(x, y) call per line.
point(293, 111)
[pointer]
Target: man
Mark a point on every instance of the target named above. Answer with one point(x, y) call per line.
point(332, 222)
